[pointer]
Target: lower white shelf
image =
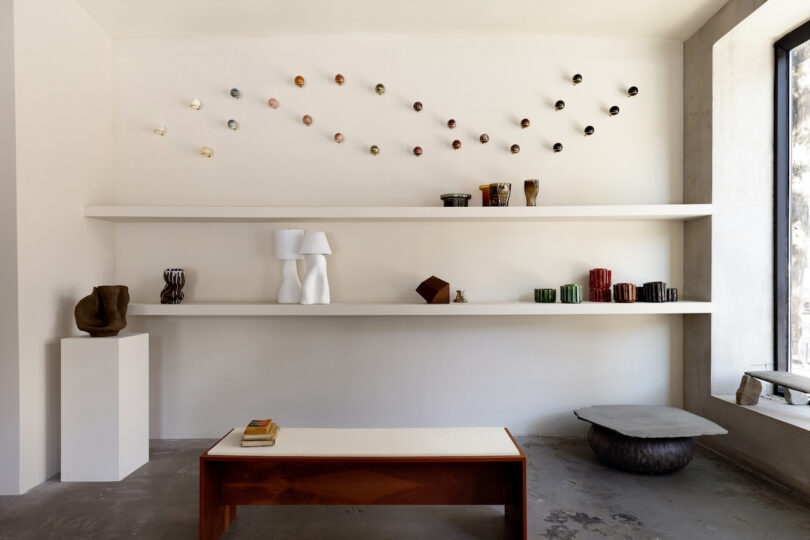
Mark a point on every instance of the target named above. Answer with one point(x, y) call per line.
point(390, 309)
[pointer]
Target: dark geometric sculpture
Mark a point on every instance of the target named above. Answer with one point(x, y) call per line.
point(434, 290)
point(641, 455)
point(172, 292)
point(103, 313)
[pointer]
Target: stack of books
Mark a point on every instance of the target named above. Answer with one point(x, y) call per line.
point(260, 433)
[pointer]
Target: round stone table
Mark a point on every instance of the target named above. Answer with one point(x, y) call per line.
point(645, 439)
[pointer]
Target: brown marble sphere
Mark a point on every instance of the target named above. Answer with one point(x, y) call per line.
point(299, 81)
point(456, 144)
point(339, 79)
point(451, 123)
point(525, 123)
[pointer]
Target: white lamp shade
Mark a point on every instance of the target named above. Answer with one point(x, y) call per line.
point(315, 243)
point(288, 243)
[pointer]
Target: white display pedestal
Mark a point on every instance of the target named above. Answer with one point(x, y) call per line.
point(105, 407)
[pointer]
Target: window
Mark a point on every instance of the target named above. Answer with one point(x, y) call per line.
point(792, 203)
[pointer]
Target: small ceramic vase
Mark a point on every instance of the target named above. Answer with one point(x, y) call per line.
point(599, 295)
point(545, 296)
point(531, 188)
point(599, 278)
point(172, 292)
point(624, 293)
point(571, 294)
point(484, 194)
point(655, 291)
point(672, 295)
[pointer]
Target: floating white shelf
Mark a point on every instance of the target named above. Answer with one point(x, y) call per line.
point(646, 212)
point(381, 309)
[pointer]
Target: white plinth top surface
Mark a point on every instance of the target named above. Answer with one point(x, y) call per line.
point(376, 442)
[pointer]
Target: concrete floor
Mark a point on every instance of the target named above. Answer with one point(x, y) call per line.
point(571, 496)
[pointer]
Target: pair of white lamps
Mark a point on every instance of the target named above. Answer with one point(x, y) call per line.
point(294, 244)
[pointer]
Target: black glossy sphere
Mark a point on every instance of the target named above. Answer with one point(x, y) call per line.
point(560, 105)
point(614, 110)
point(577, 78)
point(589, 130)
point(632, 91)
point(558, 147)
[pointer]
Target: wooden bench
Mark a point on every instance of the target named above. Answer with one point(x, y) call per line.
point(412, 466)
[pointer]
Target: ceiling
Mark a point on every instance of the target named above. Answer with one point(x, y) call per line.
point(662, 19)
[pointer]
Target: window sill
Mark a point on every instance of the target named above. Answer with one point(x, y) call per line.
point(777, 408)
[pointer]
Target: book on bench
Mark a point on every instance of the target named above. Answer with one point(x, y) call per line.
point(260, 433)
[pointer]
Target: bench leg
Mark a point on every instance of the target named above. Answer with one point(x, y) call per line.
point(515, 510)
point(215, 517)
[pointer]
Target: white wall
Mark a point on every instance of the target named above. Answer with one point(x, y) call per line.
point(527, 373)
point(9, 363)
point(64, 131)
point(486, 84)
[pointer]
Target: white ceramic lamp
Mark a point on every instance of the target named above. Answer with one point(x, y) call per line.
point(315, 289)
point(288, 243)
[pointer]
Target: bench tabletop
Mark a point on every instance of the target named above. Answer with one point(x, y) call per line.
point(376, 442)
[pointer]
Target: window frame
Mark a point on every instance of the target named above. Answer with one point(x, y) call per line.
point(781, 210)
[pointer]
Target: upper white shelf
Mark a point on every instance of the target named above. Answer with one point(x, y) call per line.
point(416, 309)
point(646, 212)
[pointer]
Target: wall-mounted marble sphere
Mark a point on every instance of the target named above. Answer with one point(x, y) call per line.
point(559, 105)
point(576, 79)
point(589, 130)
point(207, 151)
point(236, 93)
point(159, 130)
point(340, 79)
point(451, 123)
point(614, 110)
point(272, 103)
point(417, 106)
point(484, 138)
point(380, 88)
point(299, 81)
point(233, 124)
point(417, 151)
point(456, 144)
point(374, 150)
point(195, 104)
point(632, 91)
point(558, 147)
point(339, 138)
point(515, 149)
point(525, 123)
point(307, 120)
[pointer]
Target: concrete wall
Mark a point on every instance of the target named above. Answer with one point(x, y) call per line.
point(735, 52)
point(9, 335)
point(64, 132)
point(526, 373)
